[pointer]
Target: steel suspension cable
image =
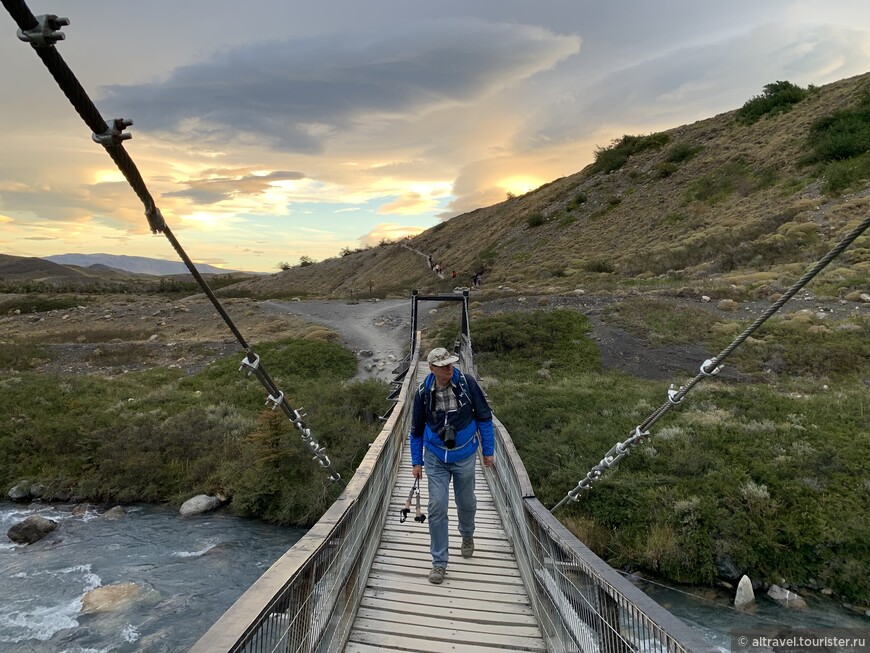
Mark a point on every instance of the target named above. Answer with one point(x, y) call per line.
point(709, 368)
point(42, 32)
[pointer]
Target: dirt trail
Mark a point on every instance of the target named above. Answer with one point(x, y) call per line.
point(377, 331)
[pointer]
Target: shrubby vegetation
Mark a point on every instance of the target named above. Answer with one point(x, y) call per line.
point(771, 478)
point(777, 97)
point(163, 285)
point(161, 436)
point(608, 159)
point(841, 142)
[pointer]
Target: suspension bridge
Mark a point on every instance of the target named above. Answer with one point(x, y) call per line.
point(357, 580)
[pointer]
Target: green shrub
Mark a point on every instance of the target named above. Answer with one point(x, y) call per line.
point(536, 220)
point(556, 338)
point(576, 201)
point(40, 304)
point(777, 97)
point(599, 266)
point(608, 159)
point(681, 152)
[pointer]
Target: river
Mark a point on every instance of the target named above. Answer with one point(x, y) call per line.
point(191, 570)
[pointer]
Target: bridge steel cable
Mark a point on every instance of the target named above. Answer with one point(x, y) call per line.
point(42, 32)
point(709, 368)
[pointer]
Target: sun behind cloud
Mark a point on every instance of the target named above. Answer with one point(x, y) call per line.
point(520, 185)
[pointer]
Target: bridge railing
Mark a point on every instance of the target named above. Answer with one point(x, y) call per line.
point(307, 600)
point(581, 603)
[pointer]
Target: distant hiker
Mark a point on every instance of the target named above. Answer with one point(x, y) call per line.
point(431, 264)
point(449, 411)
point(478, 278)
point(453, 274)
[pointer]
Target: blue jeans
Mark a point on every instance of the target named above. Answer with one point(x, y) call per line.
point(439, 474)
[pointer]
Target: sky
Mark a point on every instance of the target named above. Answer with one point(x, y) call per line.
point(271, 130)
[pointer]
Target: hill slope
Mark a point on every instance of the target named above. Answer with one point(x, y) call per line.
point(712, 203)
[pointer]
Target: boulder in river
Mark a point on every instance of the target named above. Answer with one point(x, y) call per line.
point(745, 596)
point(20, 492)
point(786, 597)
point(114, 513)
point(110, 597)
point(31, 530)
point(199, 504)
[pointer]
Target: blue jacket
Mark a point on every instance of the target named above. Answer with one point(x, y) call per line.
point(474, 415)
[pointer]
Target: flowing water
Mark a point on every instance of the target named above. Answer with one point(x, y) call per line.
point(187, 572)
point(711, 614)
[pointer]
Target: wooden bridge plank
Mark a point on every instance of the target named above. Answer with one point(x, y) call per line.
point(441, 632)
point(410, 643)
point(478, 615)
point(500, 628)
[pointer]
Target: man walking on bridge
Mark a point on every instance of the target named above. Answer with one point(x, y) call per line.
point(449, 412)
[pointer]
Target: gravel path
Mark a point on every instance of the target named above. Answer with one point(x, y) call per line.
point(377, 331)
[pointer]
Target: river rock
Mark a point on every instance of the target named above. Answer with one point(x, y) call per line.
point(199, 504)
point(114, 513)
point(745, 595)
point(727, 569)
point(110, 597)
point(31, 530)
point(20, 492)
point(786, 597)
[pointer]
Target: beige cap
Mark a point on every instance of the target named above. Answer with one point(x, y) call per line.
point(439, 357)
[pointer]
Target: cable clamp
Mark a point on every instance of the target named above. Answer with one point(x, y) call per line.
point(640, 435)
point(275, 401)
point(715, 370)
point(115, 133)
point(252, 366)
point(46, 33)
point(155, 220)
point(299, 415)
point(673, 392)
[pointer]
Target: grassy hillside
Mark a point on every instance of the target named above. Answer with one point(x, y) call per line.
point(753, 194)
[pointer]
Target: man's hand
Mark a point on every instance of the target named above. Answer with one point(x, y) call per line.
point(417, 471)
point(488, 461)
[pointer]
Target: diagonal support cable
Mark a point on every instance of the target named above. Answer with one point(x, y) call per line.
point(709, 368)
point(42, 32)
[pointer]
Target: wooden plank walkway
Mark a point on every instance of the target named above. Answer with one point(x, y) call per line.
point(482, 605)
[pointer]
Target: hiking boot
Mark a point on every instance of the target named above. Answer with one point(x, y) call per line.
point(436, 576)
point(467, 549)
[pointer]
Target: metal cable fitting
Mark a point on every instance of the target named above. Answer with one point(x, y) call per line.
point(252, 366)
point(673, 392)
point(114, 134)
point(155, 220)
point(714, 371)
point(275, 401)
point(46, 33)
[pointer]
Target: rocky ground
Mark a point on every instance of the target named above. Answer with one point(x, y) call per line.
point(117, 334)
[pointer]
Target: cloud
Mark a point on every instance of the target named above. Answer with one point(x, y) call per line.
point(215, 186)
point(695, 82)
point(298, 94)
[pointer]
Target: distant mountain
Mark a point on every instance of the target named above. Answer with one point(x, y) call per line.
point(138, 264)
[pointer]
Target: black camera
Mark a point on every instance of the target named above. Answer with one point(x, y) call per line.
point(448, 436)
